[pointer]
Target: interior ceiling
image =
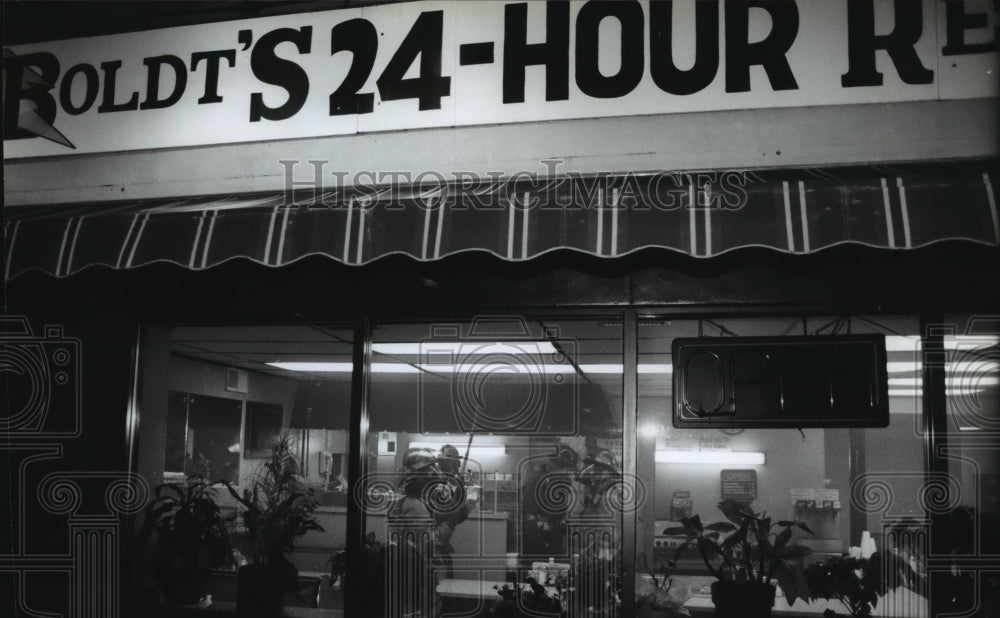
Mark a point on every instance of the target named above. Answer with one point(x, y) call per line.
point(252, 347)
point(593, 346)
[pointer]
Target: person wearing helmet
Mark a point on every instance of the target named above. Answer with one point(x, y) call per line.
point(447, 504)
point(413, 538)
point(544, 506)
point(595, 536)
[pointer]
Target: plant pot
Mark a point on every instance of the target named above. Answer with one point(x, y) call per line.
point(742, 599)
point(184, 586)
point(261, 590)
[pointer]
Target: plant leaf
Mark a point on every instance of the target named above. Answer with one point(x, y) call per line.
point(721, 526)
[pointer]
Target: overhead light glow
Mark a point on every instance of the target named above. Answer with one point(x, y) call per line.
point(650, 430)
point(477, 450)
point(710, 457)
point(465, 347)
point(947, 381)
point(917, 392)
point(513, 368)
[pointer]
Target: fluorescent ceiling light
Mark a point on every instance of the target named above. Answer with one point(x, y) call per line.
point(512, 368)
point(897, 343)
point(949, 381)
point(320, 367)
point(465, 347)
point(969, 342)
point(904, 366)
point(479, 450)
point(314, 367)
point(917, 392)
point(710, 457)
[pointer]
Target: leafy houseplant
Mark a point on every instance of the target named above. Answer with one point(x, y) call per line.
point(855, 582)
point(191, 539)
point(754, 551)
point(535, 601)
point(276, 509)
point(659, 596)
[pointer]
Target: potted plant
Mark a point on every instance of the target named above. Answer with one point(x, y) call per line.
point(753, 552)
point(189, 537)
point(854, 582)
point(535, 601)
point(658, 596)
point(367, 574)
point(276, 509)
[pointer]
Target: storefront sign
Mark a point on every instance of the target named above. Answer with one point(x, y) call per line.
point(439, 64)
point(740, 485)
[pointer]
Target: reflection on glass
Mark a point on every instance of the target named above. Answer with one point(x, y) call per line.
point(814, 476)
point(495, 459)
point(228, 394)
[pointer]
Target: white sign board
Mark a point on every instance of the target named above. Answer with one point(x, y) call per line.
point(442, 64)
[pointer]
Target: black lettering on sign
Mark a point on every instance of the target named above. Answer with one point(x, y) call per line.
point(28, 79)
point(271, 69)
point(153, 100)
point(768, 53)
point(665, 73)
point(108, 102)
point(424, 40)
point(862, 44)
point(958, 21)
point(553, 53)
point(588, 23)
point(359, 37)
point(91, 86)
point(212, 59)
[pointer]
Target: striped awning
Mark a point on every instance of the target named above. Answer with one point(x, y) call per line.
point(701, 214)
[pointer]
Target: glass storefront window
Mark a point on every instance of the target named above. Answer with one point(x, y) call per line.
point(215, 402)
point(495, 456)
point(967, 521)
point(847, 485)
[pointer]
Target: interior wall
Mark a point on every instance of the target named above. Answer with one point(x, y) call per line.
point(202, 378)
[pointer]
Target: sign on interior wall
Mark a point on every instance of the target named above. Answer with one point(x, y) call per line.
point(440, 64)
point(739, 485)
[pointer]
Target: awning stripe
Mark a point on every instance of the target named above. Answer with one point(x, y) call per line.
point(805, 216)
point(135, 243)
point(208, 238)
point(72, 246)
point(128, 237)
point(600, 221)
point(197, 239)
point(281, 239)
point(347, 231)
point(993, 205)
point(510, 231)
point(524, 226)
point(270, 234)
point(614, 221)
point(62, 245)
point(890, 231)
point(692, 223)
point(10, 247)
point(708, 225)
point(427, 232)
point(440, 228)
point(904, 212)
point(789, 234)
point(839, 205)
